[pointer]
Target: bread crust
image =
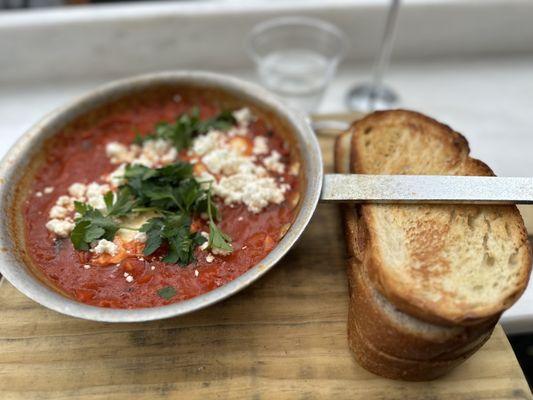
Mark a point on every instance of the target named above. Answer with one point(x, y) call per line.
point(388, 332)
point(445, 310)
point(392, 367)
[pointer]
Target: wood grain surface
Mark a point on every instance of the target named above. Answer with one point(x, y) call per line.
point(282, 338)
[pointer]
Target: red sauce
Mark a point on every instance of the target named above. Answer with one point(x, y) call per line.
point(80, 156)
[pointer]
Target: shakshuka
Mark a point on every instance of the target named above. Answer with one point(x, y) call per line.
point(159, 203)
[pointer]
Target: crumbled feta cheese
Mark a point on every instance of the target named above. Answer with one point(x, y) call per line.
point(243, 116)
point(196, 273)
point(209, 258)
point(294, 169)
point(140, 237)
point(260, 145)
point(61, 228)
point(153, 153)
point(204, 245)
point(38, 194)
point(152, 267)
point(156, 153)
point(159, 146)
point(87, 266)
point(64, 201)
point(255, 192)
point(235, 176)
point(58, 212)
point(272, 162)
point(116, 178)
point(120, 153)
point(97, 202)
point(220, 252)
point(95, 194)
point(224, 161)
point(238, 131)
point(208, 142)
point(77, 190)
point(94, 189)
point(143, 160)
point(169, 157)
point(129, 279)
point(126, 274)
point(105, 247)
point(48, 189)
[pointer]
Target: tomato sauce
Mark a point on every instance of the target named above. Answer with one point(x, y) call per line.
point(79, 156)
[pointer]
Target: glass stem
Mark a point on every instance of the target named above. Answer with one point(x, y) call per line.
point(385, 50)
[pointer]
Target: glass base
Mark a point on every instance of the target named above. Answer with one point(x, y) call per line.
point(368, 98)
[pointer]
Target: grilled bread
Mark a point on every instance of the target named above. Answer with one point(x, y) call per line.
point(445, 264)
point(392, 367)
point(385, 340)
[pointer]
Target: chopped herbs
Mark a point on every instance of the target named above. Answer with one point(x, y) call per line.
point(186, 127)
point(175, 231)
point(120, 204)
point(167, 292)
point(170, 192)
point(217, 239)
point(92, 225)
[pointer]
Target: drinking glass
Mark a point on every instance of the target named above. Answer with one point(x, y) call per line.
point(296, 57)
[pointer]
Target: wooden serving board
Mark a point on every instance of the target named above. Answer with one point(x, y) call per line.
point(282, 338)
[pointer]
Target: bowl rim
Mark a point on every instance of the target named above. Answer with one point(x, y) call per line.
point(13, 268)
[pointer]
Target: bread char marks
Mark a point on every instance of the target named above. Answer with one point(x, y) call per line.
point(426, 240)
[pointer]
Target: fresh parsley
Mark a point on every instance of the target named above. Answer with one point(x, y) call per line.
point(167, 292)
point(92, 225)
point(186, 127)
point(120, 204)
point(175, 232)
point(171, 193)
point(217, 239)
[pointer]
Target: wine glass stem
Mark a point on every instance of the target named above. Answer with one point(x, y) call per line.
point(385, 51)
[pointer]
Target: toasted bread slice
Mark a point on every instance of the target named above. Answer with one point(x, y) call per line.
point(388, 366)
point(452, 264)
point(386, 328)
point(399, 335)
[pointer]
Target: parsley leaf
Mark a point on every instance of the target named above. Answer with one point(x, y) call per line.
point(186, 127)
point(153, 229)
point(175, 231)
point(218, 239)
point(121, 204)
point(167, 292)
point(180, 248)
point(90, 226)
